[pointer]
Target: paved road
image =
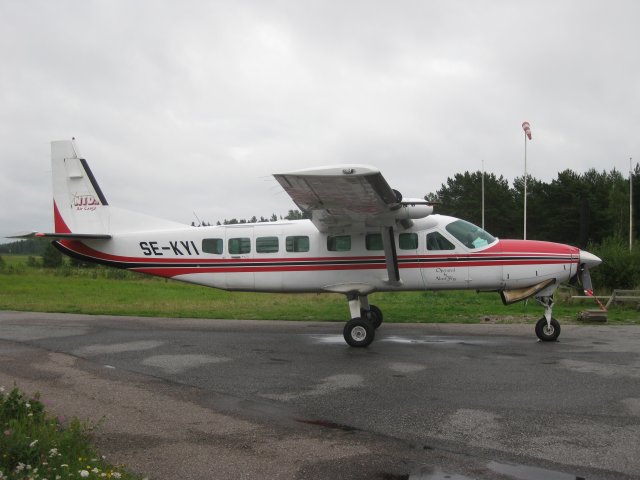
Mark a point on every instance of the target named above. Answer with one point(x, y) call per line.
point(216, 399)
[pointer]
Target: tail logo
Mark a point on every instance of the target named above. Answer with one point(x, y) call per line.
point(85, 202)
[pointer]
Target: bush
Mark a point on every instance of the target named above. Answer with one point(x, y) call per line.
point(620, 268)
point(32, 262)
point(35, 445)
point(52, 257)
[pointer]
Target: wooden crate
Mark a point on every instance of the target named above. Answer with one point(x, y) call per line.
point(593, 316)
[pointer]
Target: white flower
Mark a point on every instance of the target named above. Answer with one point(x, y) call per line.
point(116, 475)
point(28, 405)
point(33, 444)
point(83, 473)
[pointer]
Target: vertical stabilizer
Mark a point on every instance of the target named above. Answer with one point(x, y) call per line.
point(79, 206)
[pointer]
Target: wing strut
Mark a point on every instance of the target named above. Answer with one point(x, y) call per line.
point(391, 256)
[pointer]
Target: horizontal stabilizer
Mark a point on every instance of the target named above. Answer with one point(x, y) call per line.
point(62, 236)
point(513, 296)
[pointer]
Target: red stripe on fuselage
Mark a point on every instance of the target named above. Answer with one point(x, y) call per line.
point(517, 252)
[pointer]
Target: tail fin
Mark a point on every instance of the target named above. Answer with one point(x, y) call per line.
point(81, 210)
point(79, 206)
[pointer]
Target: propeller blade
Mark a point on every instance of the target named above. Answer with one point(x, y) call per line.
point(584, 278)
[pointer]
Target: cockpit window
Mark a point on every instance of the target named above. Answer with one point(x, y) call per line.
point(469, 234)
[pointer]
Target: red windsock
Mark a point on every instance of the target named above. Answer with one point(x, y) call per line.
point(527, 129)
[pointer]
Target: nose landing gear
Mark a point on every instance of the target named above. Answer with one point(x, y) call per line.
point(547, 328)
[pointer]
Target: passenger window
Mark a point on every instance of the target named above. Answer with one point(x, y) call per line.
point(212, 245)
point(408, 241)
point(436, 241)
point(297, 244)
point(239, 246)
point(373, 241)
point(339, 243)
point(267, 244)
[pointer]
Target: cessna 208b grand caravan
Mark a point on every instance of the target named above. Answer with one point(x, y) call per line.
point(363, 237)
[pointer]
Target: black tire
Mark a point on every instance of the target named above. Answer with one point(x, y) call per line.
point(374, 315)
point(359, 332)
point(546, 333)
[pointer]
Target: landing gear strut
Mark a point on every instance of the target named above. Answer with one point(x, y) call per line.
point(547, 328)
point(365, 319)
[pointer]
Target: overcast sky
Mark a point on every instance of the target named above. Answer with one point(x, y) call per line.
point(190, 106)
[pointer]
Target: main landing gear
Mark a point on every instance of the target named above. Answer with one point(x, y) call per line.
point(547, 328)
point(365, 319)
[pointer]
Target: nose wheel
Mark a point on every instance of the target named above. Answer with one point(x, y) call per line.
point(547, 331)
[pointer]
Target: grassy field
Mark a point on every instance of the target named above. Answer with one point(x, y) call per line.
point(115, 292)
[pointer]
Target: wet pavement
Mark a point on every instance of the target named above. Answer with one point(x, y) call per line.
point(247, 399)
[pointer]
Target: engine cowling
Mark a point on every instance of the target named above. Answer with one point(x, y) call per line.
point(412, 209)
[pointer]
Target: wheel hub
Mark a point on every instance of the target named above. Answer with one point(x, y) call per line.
point(358, 333)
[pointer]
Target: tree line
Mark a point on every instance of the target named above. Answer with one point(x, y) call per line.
point(291, 215)
point(577, 209)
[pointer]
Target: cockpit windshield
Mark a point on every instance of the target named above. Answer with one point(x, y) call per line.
point(470, 235)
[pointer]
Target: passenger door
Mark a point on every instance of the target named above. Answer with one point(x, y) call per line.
point(443, 262)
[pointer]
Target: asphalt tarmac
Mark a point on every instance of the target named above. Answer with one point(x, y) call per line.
point(196, 399)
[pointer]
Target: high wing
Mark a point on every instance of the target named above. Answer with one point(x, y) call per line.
point(353, 198)
point(341, 197)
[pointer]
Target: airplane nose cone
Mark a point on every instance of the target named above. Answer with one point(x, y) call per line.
point(589, 259)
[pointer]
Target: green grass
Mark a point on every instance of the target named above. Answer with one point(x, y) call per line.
point(116, 292)
point(36, 445)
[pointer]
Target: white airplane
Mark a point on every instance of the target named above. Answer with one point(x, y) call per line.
point(363, 237)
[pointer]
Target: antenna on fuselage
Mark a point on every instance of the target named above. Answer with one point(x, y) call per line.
point(199, 221)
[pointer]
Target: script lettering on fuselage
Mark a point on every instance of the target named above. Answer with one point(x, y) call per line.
point(178, 247)
point(446, 274)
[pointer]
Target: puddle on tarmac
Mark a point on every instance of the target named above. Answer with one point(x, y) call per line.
point(505, 470)
point(524, 472)
point(423, 339)
point(436, 474)
point(335, 339)
point(339, 339)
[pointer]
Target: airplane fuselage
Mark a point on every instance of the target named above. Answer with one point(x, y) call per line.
point(293, 256)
